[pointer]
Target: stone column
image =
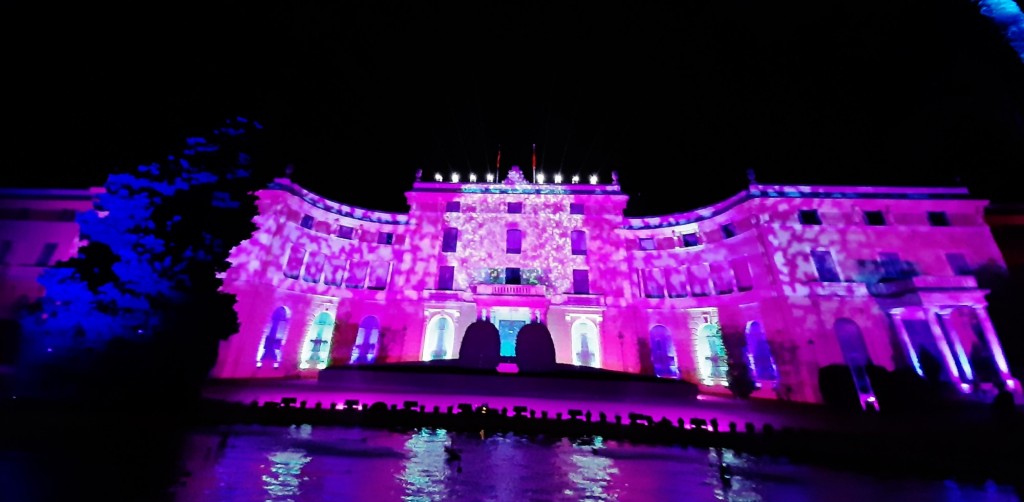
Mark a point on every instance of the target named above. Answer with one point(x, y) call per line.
point(993, 342)
point(958, 345)
point(901, 332)
point(940, 340)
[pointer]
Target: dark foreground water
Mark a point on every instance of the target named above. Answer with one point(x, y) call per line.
point(307, 463)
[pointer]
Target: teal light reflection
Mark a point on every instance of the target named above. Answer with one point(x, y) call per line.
point(425, 468)
point(286, 469)
point(593, 473)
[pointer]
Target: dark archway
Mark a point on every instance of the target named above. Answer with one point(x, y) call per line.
point(535, 350)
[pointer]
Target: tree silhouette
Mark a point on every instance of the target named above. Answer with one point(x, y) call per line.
point(535, 350)
point(481, 346)
point(143, 290)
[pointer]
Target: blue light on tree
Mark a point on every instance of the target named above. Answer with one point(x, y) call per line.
point(154, 243)
point(1008, 16)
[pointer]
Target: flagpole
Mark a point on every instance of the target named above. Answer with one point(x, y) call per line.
point(534, 161)
point(497, 166)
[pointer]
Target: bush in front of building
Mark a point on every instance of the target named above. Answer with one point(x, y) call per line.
point(481, 347)
point(535, 350)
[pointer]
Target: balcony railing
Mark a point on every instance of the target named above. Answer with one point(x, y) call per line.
point(923, 282)
point(509, 289)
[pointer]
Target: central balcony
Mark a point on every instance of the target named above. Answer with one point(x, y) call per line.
point(923, 283)
point(509, 289)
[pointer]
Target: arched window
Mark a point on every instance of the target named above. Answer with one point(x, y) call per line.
point(273, 339)
point(586, 344)
point(663, 353)
point(711, 355)
point(439, 339)
point(367, 340)
point(317, 348)
point(759, 354)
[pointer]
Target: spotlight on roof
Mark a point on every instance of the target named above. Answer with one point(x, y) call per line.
point(472, 178)
point(558, 177)
point(455, 177)
point(438, 177)
point(540, 177)
point(575, 179)
point(490, 178)
point(593, 179)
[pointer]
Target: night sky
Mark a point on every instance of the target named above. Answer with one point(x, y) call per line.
point(680, 100)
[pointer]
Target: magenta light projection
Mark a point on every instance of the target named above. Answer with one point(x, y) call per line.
point(796, 278)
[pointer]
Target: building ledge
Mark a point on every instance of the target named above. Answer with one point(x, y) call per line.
point(923, 283)
point(510, 289)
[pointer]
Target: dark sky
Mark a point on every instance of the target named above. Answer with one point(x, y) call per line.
point(679, 99)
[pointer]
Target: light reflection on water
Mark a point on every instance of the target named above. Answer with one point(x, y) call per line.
point(332, 463)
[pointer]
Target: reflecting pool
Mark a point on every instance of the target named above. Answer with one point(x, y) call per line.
point(306, 463)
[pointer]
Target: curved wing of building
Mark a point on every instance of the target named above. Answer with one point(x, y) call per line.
point(785, 279)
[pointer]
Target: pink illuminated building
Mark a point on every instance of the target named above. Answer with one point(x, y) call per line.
point(37, 230)
point(798, 277)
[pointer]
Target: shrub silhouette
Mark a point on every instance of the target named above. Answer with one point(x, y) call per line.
point(535, 351)
point(481, 347)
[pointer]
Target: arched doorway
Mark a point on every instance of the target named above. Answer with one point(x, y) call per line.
point(439, 339)
point(586, 347)
point(367, 341)
point(759, 353)
point(273, 339)
point(855, 353)
point(712, 359)
point(663, 353)
point(318, 345)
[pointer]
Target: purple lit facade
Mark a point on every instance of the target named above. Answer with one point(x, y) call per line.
point(801, 276)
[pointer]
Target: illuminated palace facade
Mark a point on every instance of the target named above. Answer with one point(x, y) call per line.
point(795, 277)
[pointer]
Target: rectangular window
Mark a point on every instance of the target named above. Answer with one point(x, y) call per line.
point(379, 274)
point(741, 271)
point(892, 265)
point(446, 278)
point(676, 282)
point(729, 230)
point(581, 282)
point(385, 238)
point(578, 239)
point(346, 232)
point(307, 222)
point(293, 264)
point(450, 240)
point(575, 208)
point(691, 240)
point(825, 265)
point(366, 235)
point(647, 243)
point(958, 264)
point(875, 218)
point(513, 276)
point(513, 241)
point(5, 249)
point(356, 277)
point(452, 206)
point(399, 240)
point(46, 254)
point(654, 283)
point(515, 207)
point(809, 217)
point(669, 242)
point(697, 276)
point(334, 273)
point(721, 278)
point(938, 219)
point(314, 268)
